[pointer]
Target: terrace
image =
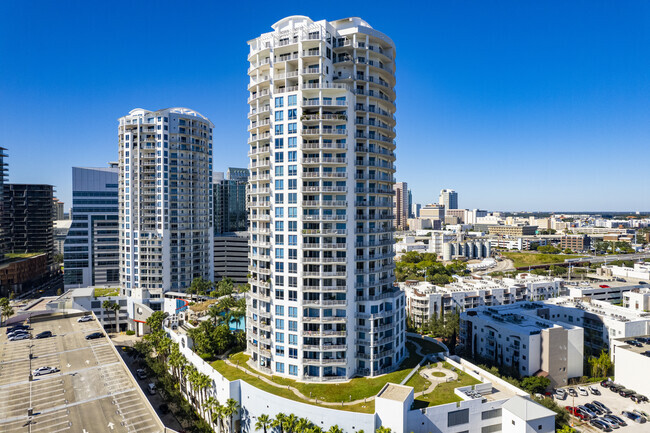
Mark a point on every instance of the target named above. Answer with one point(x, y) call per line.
point(357, 394)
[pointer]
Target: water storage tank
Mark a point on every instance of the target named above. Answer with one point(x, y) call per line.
point(447, 252)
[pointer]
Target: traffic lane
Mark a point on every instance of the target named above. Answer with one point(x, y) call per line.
point(614, 402)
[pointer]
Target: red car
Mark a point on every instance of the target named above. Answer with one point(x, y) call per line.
point(604, 286)
point(576, 412)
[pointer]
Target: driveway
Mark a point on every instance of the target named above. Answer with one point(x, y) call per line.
point(156, 400)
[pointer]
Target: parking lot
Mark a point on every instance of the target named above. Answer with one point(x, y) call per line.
point(614, 402)
point(93, 390)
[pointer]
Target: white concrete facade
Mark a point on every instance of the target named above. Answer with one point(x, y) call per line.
point(165, 199)
point(515, 336)
point(396, 413)
point(424, 299)
point(631, 366)
point(322, 129)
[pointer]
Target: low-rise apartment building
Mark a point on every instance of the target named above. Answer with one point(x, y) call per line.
point(637, 299)
point(512, 230)
point(515, 337)
point(640, 271)
point(602, 321)
point(424, 300)
point(575, 242)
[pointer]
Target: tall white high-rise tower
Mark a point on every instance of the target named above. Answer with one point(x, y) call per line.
point(165, 202)
point(322, 304)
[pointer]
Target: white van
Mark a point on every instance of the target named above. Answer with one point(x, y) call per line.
point(151, 388)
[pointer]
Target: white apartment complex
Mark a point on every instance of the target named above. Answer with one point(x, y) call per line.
point(518, 337)
point(165, 202)
point(424, 300)
point(602, 321)
point(322, 304)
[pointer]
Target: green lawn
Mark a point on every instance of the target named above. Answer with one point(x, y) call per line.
point(532, 259)
point(444, 392)
point(20, 255)
point(418, 382)
point(427, 346)
point(106, 291)
point(357, 388)
point(233, 373)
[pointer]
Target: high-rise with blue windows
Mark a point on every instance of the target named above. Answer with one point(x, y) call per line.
point(91, 249)
point(322, 305)
point(165, 200)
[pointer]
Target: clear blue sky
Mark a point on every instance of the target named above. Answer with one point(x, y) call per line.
point(517, 105)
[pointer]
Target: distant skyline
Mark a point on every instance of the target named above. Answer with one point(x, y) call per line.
point(536, 106)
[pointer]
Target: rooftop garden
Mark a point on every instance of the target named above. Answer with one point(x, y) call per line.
point(355, 395)
point(443, 393)
point(21, 255)
point(106, 291)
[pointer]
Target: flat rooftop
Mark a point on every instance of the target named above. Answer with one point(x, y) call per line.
point(631, 348)
point(93, 392)
point(395, 392)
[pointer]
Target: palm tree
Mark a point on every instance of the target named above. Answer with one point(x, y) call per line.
point(335, 429)
point(210, 403)
point(263, 422)
point(278, 422)
point(107, 305)
point(290, 423)
point(5, 309)
point(214, 314)
point(218, 416)
point(202, 383)
point(303, 424)
point(232, 407)
point(116, 309)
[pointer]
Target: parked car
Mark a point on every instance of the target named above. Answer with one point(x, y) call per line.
point(615, 388)
point(601, 425)
point(633, 416)
point(16, 327)
point(576, 412)
point(141, 373)
point(20, 337)
point(617, 419)
point(94, 336)
point(594, 390)
point(595, 409)
point(163, 408)
point(85, 319)
point(586, 410)
point(626, 392)
point(642, 413)
point(612, 424)
point(572, 392)
point(40, 371)
point(602, 406)
point(44, 334)
point(560, 394)
point(638, 398)
point(151, 388)
point(606, 383)
point(582, 390)
point(17, 332)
